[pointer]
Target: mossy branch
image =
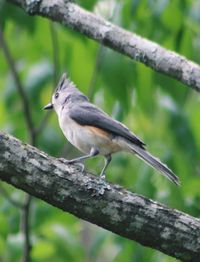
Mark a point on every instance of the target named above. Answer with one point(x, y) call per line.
point(88, 197)
point(132, 45)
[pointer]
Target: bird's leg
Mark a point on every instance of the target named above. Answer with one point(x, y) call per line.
point(93, 152)
point(108, 158)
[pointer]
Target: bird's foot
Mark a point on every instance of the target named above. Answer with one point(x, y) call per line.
point(102, 175)
point(80, 165)
point(63, 160)
point(73, 162)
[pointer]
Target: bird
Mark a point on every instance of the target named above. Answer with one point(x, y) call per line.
point(94, 132)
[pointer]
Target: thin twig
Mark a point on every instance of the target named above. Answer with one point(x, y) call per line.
point(97, 66)
point(24, 99)
point(25, 208)
point(25, 227)
point(56, 70)
point(55, 51)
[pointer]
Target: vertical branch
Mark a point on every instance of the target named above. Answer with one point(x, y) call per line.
point(55, 51)
point(32, 138)
point(19, 86)
point(25, 227)
point(56, 71)
point(97, 67)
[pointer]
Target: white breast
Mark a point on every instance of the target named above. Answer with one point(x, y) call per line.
point(70, 129)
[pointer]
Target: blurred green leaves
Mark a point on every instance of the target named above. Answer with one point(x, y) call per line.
point(161, 111)
point(16, 15)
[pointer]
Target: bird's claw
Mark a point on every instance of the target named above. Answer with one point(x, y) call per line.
point(102, 175)
point(81, 165)
point(70, 162)
point(63, 160)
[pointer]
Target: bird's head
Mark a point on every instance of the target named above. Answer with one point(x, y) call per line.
point(65, 93)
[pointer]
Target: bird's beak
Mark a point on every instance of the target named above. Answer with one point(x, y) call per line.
point(49, 106)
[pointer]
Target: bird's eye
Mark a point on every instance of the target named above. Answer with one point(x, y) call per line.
point(56, 95)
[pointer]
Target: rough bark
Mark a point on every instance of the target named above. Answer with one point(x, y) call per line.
point(90, 198)
point(125, 42)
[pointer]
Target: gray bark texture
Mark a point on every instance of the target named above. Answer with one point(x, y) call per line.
point(90, 198)
point(125, 42)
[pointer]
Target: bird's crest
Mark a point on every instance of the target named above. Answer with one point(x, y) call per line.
point(64, 83)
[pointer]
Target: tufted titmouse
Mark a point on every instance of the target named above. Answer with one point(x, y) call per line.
point(94, 132)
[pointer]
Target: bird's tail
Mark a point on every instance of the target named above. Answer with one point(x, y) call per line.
point(154, 162)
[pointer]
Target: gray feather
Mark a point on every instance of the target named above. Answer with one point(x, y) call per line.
point(90, 115)
point(155, 163)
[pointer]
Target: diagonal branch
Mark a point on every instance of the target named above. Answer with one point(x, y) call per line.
point(125, 42)
point(90, 198)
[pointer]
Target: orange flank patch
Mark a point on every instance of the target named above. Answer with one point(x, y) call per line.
point(98, 131)
point(107, 142)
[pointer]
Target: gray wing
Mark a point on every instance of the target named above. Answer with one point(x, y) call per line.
point(92, 116)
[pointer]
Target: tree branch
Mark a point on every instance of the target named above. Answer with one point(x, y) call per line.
point(125, 42)
point(90, 198)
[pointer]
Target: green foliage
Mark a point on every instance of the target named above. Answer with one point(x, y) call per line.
point(160, 110)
